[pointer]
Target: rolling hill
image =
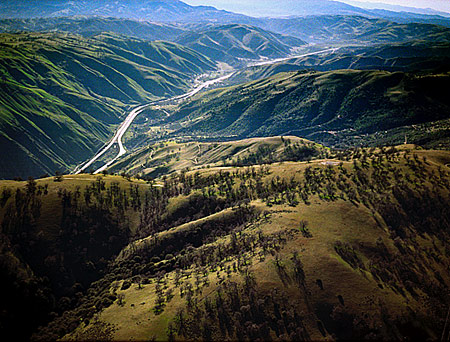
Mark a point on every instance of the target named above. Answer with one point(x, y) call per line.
point(232, 43)
point(354, 29)
point(407, 57)
point(326, 107)
point(91, 26)
point(349, 246)
point(62, 95)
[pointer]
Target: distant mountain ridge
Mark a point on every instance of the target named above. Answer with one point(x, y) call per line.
point(354, 29)
point(155, 10)
point(178, 11)
point(328, 29)
point(396, 8)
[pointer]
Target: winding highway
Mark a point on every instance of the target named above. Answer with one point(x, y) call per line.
point(117, 138)
point(278, 60)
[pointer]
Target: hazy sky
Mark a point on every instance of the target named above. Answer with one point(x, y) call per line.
point(247, 5)
point(441, 5)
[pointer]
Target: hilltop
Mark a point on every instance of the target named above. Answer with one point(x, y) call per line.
point(170, 156)
point(237, 252)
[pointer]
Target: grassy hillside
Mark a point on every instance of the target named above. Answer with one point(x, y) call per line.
point(411, 56)
point(169, 156)
point(62, 95)
point(230, 43)
point(320, 106)
point(349, 247)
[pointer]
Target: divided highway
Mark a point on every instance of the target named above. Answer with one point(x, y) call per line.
point(117, 138)
point(129, 119)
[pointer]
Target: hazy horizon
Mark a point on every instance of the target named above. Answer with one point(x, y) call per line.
point(262, 7)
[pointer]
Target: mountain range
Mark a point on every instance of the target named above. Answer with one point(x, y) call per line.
point(325, 29)
point(154, 10)
point(258, 178)
point(178, 11)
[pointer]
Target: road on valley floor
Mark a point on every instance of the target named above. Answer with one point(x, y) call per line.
point(278, 60)
point(117, 138)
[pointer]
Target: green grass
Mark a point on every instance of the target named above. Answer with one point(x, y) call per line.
point(363, 229)
point(169, 156)
point(327, 107)
point(229, 43)
point(63, 95)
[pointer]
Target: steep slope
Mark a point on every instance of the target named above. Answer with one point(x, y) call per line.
point(320, 106)
point(410, 56)
point(61, 95)
point(230, 43)
point(348, 247)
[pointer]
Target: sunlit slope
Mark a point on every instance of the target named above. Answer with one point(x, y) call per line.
point(230, 43)
point(347, 248)
point(61, 94)
point(320, 106)
point(166, 157)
